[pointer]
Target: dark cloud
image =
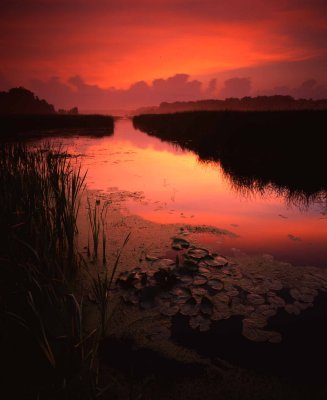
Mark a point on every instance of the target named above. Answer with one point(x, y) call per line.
point(309, 89)
point(77, 92)
point(236, 87)
point(176, 88)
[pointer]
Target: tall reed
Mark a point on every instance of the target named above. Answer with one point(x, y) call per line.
point(39, 202)
point(101, 286)
point(97, 223)
point(40, 191)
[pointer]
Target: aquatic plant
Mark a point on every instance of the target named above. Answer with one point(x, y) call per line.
point(206, 288)
point(101, 284)
point(94, 221)
point(41, 314)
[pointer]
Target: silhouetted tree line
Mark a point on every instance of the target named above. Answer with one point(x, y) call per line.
point(72, 111)
point(21, 111)
point(255, 149)
point(260, 103)
point(22, 101)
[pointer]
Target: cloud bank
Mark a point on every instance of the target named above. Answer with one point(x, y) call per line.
point(91, 97)
point(180, 87)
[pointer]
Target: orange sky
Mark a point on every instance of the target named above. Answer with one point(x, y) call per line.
point(115, 44)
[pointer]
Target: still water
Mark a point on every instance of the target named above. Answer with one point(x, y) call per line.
point(162, 183)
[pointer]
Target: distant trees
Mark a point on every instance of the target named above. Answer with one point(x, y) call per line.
point(260, 103)
point(22, 101)
point(72, 111)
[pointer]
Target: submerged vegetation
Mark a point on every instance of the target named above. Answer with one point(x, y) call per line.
point(256, 149)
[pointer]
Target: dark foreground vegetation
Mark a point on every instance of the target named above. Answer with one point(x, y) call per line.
point(41, 330)
point(255, 149)
point(46, 350)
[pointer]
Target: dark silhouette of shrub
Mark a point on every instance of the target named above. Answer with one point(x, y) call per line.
point(22, 101)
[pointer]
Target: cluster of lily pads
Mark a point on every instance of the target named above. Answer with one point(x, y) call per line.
point(206, 287)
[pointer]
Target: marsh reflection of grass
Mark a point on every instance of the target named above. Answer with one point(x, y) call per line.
point(258, 151)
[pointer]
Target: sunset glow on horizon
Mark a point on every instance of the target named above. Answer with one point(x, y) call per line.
point(116, 47)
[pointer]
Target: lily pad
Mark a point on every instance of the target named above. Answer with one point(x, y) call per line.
point(147, 303)
point(295, 293)
point(241, 309)
point(200, 322)
point(138, 284)
point(177, 246)
point(255, 299)
point(255, 321)
point(190, 308)
point(303, 306)
point(169, 310)
point(257, 335)
point(164, 295)
point(217, 262)
point(266, 310)
point(274, 337)
point(223, 297)
point(160, 331)
point(221, 307)
point(276, 301)
point(148, 257)
point(181, 293)
point(198, 291)
point(199, 280)
point(197, 253)
point(216, 284)
point(274, 284)
point(130, 297)
point(231, 291)
point(204, 270)
point(163, 262)
point(293, 309)
point(166, 278)
point(206, 306)
point(186, 279)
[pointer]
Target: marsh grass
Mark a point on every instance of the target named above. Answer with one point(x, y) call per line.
point(102, 283)
point(94, 224)
point(39, 203)
point(257, 150)
point(45, 345)
point(97, 217)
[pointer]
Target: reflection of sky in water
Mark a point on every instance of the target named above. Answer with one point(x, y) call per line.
point(177, 188)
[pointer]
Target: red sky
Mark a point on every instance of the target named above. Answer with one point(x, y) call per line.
point(115, 44)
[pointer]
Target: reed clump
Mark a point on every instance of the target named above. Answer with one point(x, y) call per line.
point(44, 344)
point(39, 203)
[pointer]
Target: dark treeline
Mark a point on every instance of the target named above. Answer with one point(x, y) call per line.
point(260, 103)
point(11, 124)
point(255, 149)
point(22, 111)
point(22, 101)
